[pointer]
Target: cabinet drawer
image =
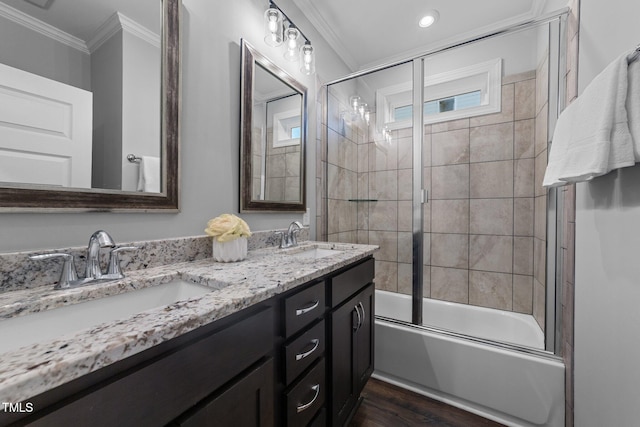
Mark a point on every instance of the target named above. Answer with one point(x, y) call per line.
point(301, 308)
point(306, 397)
point(349, 282)
point(303, 351)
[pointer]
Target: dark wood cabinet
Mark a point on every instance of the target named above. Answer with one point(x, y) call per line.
point(248, 402)
point(351, 339)
point(364, 338)
point(302, 387)
point(300, 358)
point(155, 387)
point(352, 353)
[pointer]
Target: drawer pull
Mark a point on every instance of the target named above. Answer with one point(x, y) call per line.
point(306, 406)
point(314, 305)
point(316, 343)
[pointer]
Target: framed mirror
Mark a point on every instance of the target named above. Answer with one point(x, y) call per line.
point(273, 136)
point(92, 97)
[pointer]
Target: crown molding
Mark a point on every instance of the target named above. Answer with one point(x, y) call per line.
point(114, 24)
point(42, 27)
point(309, 9)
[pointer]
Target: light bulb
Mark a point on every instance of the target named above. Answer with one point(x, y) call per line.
point(292, 36)
point(354, 101)
point(308, 65)
point(273, 27)
point(361, 108)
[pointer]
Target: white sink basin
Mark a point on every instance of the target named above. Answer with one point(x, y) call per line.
point(315, 253)
point(32, 328)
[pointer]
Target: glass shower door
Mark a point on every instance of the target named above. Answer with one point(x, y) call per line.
point(486, 107)
point(369, 176)
point(439, 161)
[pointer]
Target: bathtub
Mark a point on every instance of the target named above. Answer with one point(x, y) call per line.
point(499, 382)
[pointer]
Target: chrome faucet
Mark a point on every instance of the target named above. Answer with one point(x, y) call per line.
point(290, 239)
point(93, 273)
point(99, 239)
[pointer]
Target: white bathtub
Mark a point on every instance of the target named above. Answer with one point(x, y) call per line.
point(509, 386)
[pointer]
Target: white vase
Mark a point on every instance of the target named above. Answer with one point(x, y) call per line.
point(231, 251)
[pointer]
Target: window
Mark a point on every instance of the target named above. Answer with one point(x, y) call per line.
point(464, 92)
point(295, 132)
point(453, 103)
point(287, 128)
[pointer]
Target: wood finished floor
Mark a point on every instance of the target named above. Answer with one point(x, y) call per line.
point(386, 405)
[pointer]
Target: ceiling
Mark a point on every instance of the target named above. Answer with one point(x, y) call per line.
point(366, 33)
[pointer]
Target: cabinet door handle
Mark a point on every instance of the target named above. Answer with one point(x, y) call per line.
point(357, 326)
point(304, 310)
point(316, 343)
point(364, 314)
point(301, 408)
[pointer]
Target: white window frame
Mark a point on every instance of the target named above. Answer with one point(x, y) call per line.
point(282, 124)
point(485, 77)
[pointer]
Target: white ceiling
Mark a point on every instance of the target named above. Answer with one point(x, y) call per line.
point(366, 33)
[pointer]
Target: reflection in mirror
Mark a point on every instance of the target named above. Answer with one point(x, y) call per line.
point(276, 138)
point(91, 90)
point(273, 136)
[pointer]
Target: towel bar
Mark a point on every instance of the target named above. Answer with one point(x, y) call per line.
point(133, 158)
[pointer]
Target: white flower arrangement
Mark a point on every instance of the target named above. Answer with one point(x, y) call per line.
point(227, 227)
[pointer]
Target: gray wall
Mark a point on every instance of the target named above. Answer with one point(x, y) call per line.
point(607, 283)
point(210, 134)
point(107, 76)
point(31, 51)
point(140, 105)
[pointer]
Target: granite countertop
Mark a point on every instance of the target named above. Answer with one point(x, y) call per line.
point(36, 368)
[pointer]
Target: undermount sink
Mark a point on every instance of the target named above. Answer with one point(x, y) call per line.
point(315, 253)
point(20, 331)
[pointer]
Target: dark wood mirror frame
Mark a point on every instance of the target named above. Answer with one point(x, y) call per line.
point(249, 58)
point(16, 199)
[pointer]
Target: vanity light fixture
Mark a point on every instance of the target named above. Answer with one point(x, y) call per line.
point(359, 108)
point(307, 59)
point(273, 27)
point(292, 41)
point(275, 34)
point(429, 18)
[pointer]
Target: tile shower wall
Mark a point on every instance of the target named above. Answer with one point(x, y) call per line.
point(340, 164)
point(485, 217)
point(479, 222)
point(282, 170)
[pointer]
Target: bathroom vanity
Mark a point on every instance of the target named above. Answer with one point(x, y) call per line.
point(284, 338)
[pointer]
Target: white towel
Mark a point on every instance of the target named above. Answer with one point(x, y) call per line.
point(592, 135)
point(149, 174)
point(633, 105)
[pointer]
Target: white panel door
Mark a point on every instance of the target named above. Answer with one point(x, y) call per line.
point(45, 130)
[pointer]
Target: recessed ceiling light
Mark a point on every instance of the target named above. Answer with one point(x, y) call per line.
point(429, 19)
